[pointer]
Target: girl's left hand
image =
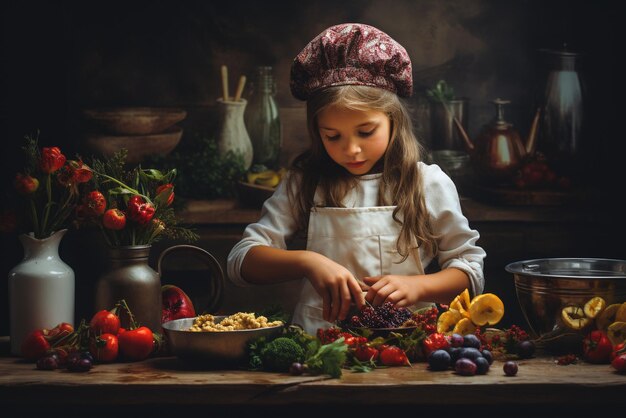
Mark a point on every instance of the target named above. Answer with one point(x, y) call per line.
point(399, 290)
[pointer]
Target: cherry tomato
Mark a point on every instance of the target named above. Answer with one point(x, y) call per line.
point(95, 203)
point(114, 219)
point(34, 346)
point(58, 332)
point(104, 348)
point(597, 347)
point(136, 344)
point(618, 350)
point(364, 352)
point(434, 342)
point(105, 322)
point(394, 356)
point(619, 363)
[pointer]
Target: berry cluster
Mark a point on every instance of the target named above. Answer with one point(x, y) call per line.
point(383, 316)
point(426, 320)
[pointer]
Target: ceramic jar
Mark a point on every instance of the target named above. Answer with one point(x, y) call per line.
point(41, 288)
point(131, 278)
point(232, 133)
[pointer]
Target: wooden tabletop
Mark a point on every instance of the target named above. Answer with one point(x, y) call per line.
point(539, 381)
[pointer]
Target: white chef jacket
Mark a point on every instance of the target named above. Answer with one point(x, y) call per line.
point(456, 243)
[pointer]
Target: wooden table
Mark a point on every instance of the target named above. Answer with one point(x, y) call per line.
point(166, 384)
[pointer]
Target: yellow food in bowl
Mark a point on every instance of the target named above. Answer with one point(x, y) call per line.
point(235, 322)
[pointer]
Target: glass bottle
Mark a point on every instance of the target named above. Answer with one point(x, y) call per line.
point(263, 120)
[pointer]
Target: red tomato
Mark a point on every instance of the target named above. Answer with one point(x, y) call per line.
point(619, 363)
point(114, 219)
point(434, 342)
point(618, 350)
point(105, 322)
point(58, 332)
point(394, 356)
point(34, 346)
point(136, 344)
point(364, 352)
point(597, 347)
point(104, 347)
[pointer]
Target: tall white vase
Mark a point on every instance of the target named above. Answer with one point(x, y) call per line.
point(232, 134)
point(41, 288)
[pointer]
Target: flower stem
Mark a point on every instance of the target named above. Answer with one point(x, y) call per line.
point(33, 210)
point(123, 185)
point(48, 205)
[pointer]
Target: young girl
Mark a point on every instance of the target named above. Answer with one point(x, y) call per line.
point(375, 215)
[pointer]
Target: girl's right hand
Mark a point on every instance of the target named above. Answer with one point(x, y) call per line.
point(335, 284)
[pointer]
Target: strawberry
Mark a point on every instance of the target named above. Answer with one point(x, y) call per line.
point(394, 356)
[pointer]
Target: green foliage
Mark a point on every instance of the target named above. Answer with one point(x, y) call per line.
point(328, 358)
point(441, 93)
point(202, 173)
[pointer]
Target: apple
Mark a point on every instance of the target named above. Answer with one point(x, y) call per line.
point(175, 304)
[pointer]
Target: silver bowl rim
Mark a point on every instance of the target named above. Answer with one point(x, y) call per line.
point(517, 268)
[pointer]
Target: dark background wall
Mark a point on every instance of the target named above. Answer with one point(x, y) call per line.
point(59, 57)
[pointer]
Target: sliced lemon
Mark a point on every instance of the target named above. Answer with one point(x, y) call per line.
point(607, 316)
point(486, 309)
point(574, 317)
point(594, 307)
point(464, 326)
point(462, 303)
point(448, 320)
point(617, 332)
point(620, 315)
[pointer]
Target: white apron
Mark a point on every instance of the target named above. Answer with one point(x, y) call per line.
point(363, 240)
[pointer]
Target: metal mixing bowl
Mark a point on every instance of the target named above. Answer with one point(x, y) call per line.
point(219, 348)
point(545, 286)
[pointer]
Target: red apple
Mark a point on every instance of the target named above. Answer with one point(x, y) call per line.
point(175, 304)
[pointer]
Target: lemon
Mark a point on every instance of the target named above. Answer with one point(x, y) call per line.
point(486, 309)
point(594, 307)
point(448, 320)
point(267, 178)
point(607, 316)
point(620, 315)
point(574, 317)
point(464, 326)
point(461, 303)
point(617, 332)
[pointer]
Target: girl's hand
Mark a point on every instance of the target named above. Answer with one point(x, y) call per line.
point(399, 290)
point(335, 284)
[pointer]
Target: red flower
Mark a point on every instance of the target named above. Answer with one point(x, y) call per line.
point(25, 184)
point(114, 219)
point(165, 194)
point(82, 172)
point(51, 159)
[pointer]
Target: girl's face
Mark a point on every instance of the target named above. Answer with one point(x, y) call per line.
point(354, 139)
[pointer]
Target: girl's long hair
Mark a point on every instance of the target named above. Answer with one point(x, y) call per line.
point(401, 183)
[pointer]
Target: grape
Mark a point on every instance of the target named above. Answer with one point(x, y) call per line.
point(439, 360)
point(79, 365)
point(48, 363)
point(510, 368)
point(471, 340)
point(465, 367)
point(456, 340)
point(296, 369)
point(487, 355)
point(482, 365)
point(470, 353)
point(383, 316)
point(525, 349)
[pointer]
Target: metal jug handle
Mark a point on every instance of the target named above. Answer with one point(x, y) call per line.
point(216, 285)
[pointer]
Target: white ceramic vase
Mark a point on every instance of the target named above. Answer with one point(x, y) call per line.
point(41, 288)
point(232, 133)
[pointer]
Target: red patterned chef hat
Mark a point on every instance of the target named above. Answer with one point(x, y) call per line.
point(351, 54)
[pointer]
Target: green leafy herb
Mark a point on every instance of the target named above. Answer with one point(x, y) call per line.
point(441, 93)
point(328, 358)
